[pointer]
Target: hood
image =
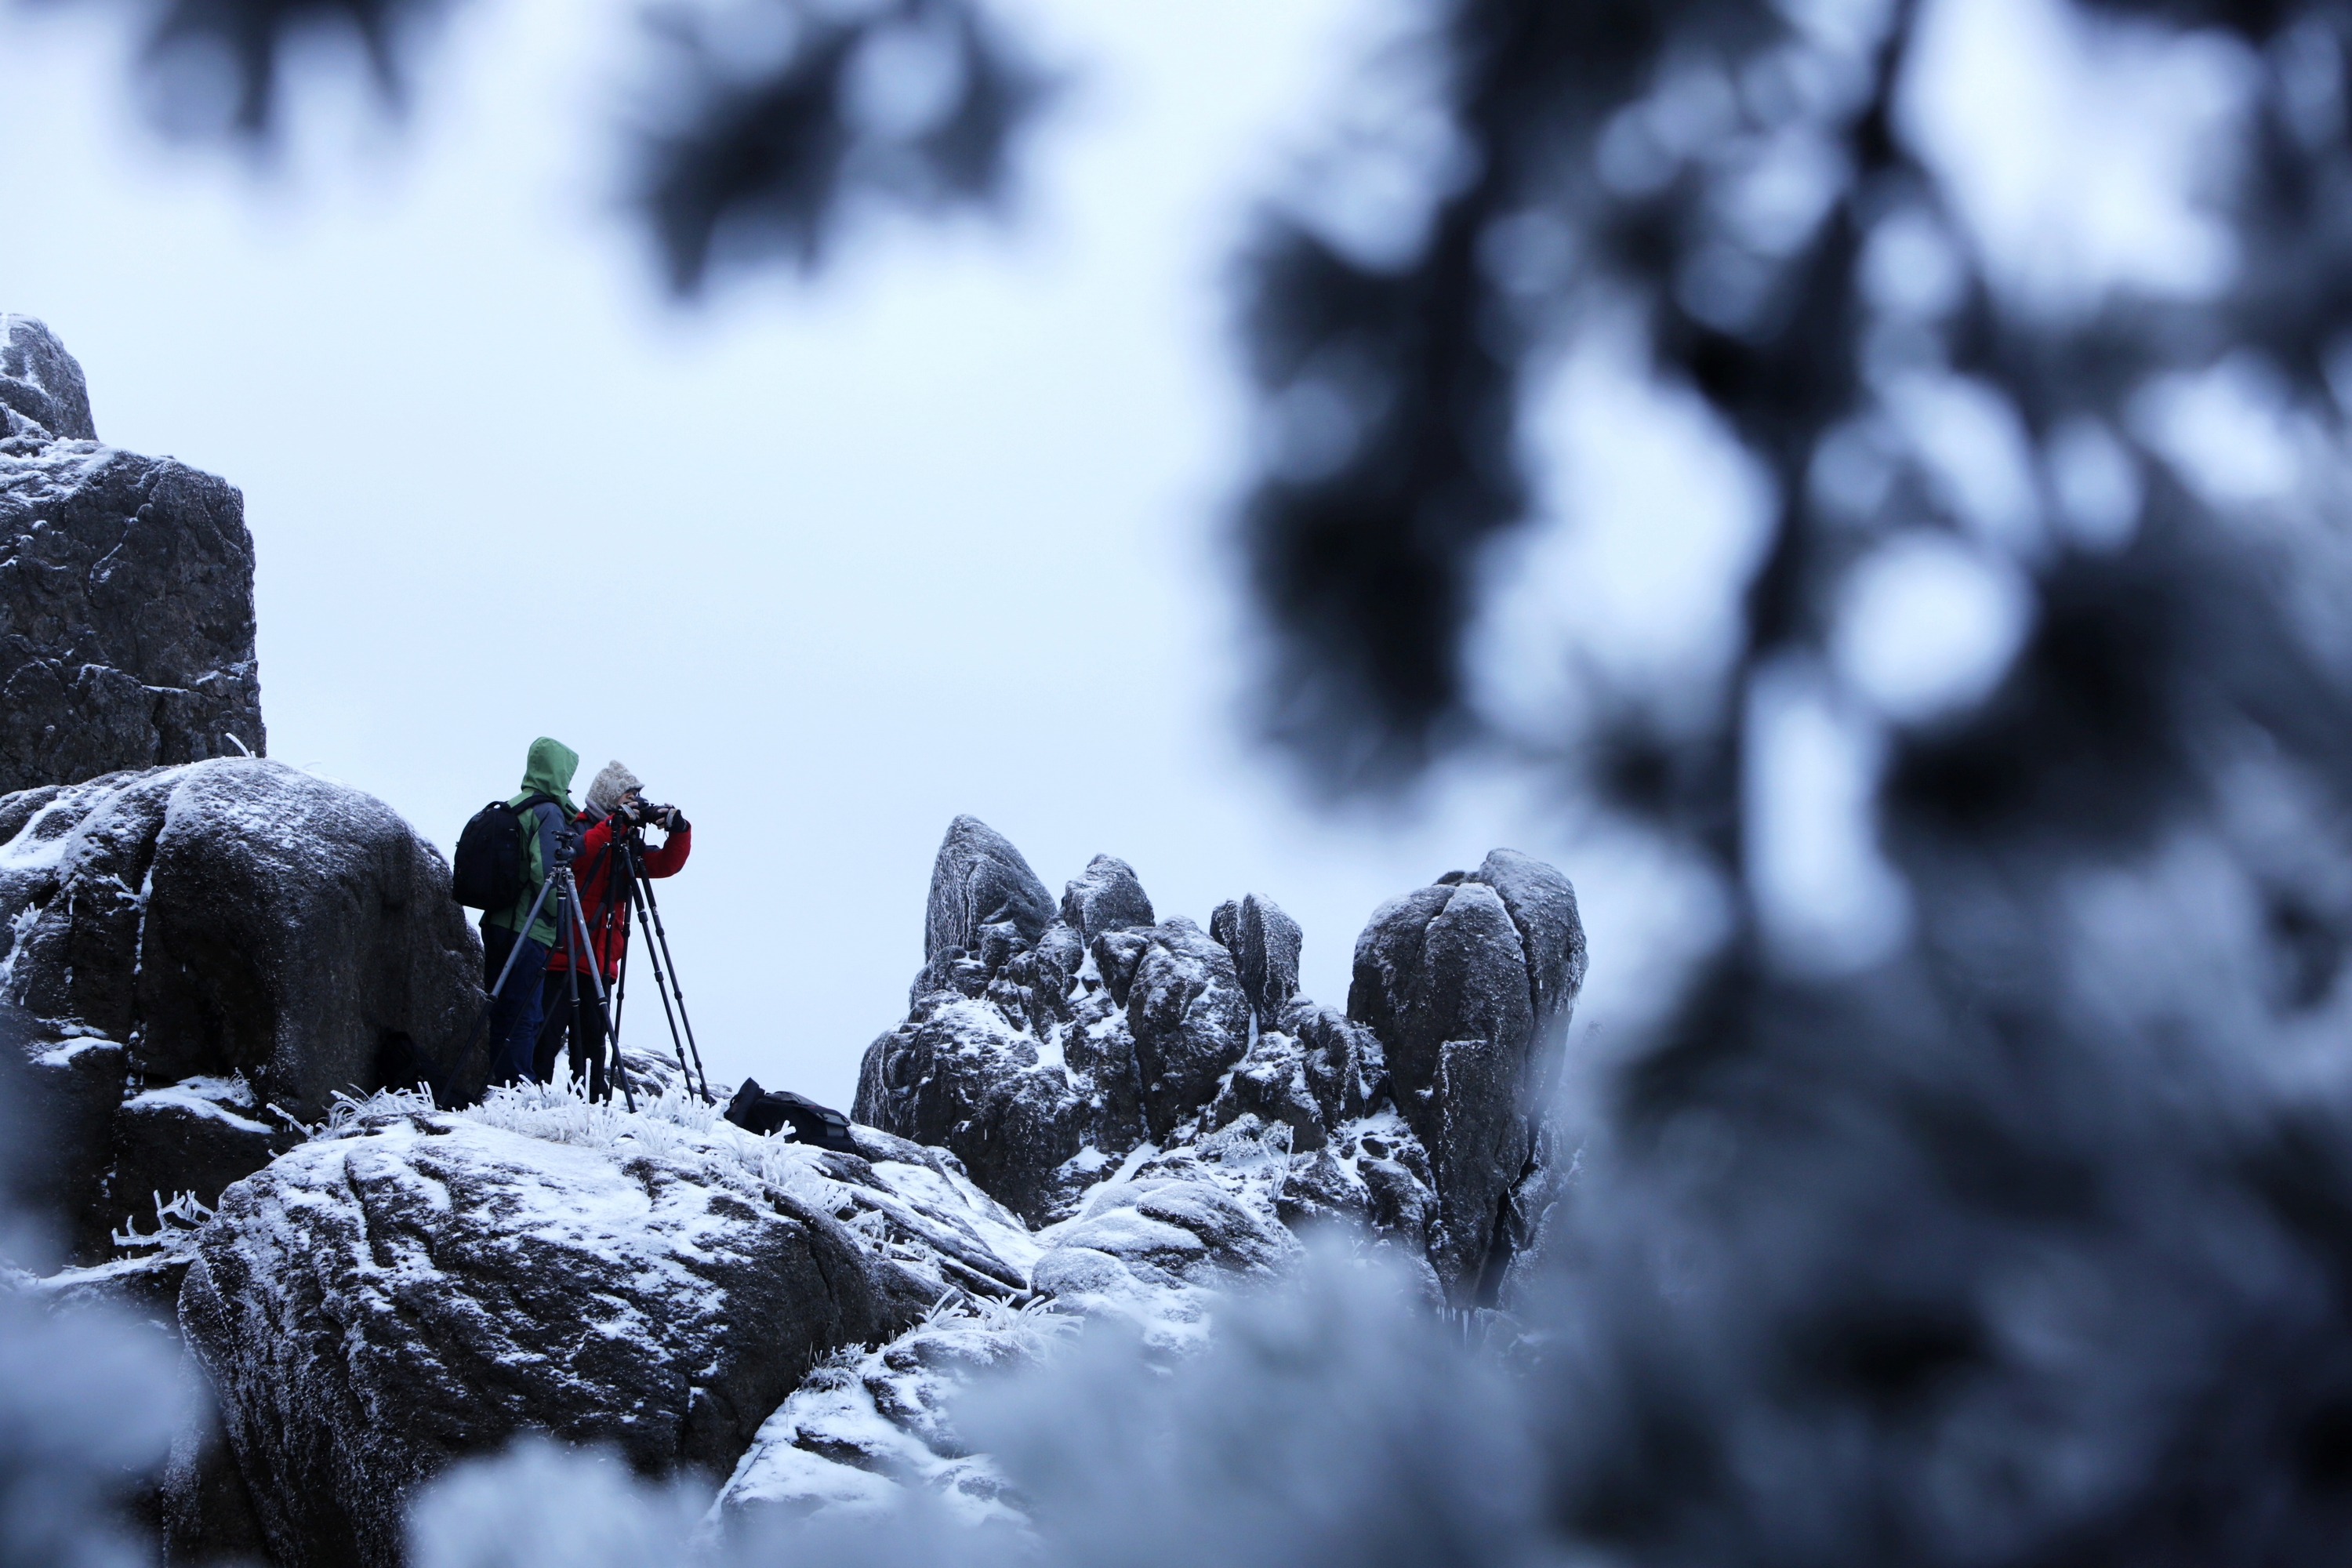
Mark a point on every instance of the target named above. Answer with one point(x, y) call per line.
point(550, 772)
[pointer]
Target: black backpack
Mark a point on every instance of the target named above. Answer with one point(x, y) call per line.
point(488, 871)
point(764, 1112)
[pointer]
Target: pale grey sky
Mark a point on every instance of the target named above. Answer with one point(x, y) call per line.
point(825, 564)
point(945, 530)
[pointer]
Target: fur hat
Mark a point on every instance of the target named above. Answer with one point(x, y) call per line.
point(613, 782)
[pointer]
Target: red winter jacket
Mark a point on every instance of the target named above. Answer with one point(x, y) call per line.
point(592, 867)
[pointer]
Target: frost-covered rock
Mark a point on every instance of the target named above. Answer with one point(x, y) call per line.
point(1152, 1249)
point(416, 1285)
point(1266, 944)
point(66, 1094)
point(1106, 896)
point(126, 590)
point(42, 384)
point(1469, 984)
point(1542, 907)
point(1045, 1070)
point(959, 1075)
point(220, 949)
point(869, 1426)
point(1153, 1245)
point(1309, 1067)
point(1017, 1058)
point(1185, 1012)
point(1098, 1051)
point(985, 902)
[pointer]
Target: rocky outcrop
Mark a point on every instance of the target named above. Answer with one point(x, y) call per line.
point(1415, 1115)
point(1183, 1011)
point(985, 903)
point(1016, 1059)
point(1151, 1250)
point(1469, 984)
point(419, 1285)
point(1310, 1069)
point(126, 590)
point(959, 1075)
point(1266, 944)
point(63, 1096)
point(219, 949)
point(1083, 1116)
point(1144, 1242)
point(867, 1427)
point(41, 384)
point(1106, 896)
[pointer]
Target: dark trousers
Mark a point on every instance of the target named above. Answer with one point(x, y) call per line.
point(586, 1044)
point(514, 1012)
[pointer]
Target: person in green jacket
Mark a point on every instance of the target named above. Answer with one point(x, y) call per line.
point(544, 809)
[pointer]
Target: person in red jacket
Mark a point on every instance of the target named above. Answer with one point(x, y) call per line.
point(615, 815)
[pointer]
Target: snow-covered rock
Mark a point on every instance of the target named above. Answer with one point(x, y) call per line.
point(1044, 1074)
point(985, 903)
point(869, 1426)
point(126, 589)
point(1152, 1249)
point(1185, 1012)
point(1469, 984)
point(1125, 1130)
point(219, 949)
point(1266, 944)
point(1309, 1067)
point(1106, 896)
point(416, 1285)
point(1152, 1246)
point(64, 1095)
point(41, 384)
point(959, 1075)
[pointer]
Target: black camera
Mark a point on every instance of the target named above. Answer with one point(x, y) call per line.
point(646, 814)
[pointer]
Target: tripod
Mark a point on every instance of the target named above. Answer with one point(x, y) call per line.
point(576, 949)
point(627, 886)
point(640, 895)
point(579, 951)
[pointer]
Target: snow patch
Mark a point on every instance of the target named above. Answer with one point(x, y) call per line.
point(219, 1098)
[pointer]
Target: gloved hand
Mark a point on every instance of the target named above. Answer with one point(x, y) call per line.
point(646, 814)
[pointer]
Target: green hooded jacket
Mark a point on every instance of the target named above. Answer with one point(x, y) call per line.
point(547, 835)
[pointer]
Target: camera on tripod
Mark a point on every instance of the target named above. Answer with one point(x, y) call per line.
point(645, 812)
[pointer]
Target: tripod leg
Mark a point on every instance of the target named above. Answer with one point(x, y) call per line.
point(585, 1067)
point(620, 998)
point(617, 995)
point(676, 1041)
point(572, 1002)
point(662, 936)
point(490, 1002)
point(596, 979)
point(658, 940)
point(550, 1042)
point(516, 952)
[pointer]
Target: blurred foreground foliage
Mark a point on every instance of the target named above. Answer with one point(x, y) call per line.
point(2006, 1215)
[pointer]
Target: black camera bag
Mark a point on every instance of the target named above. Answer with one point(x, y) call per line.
point(768, 1111)
point(486, 873)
